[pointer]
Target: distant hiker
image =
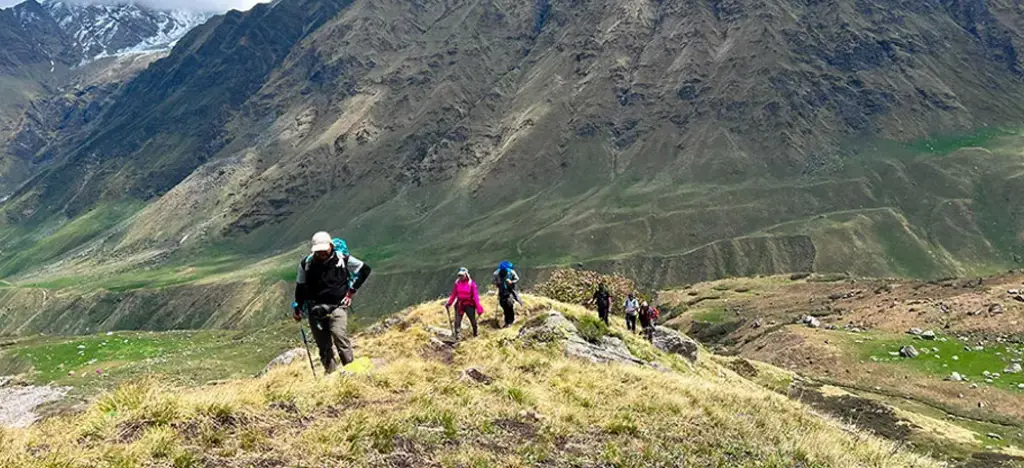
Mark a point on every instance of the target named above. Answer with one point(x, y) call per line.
point(506, 279)
point(648, 315)
point(603, 299)
point(631, 305)
point(324, 288)
point(466, 298)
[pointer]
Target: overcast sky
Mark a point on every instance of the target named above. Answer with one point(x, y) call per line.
point(201, 5)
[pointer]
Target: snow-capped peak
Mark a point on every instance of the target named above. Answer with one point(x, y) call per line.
point(108, 29)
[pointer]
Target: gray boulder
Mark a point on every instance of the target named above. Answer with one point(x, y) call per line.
point(284, 359)
point(671, 341)
point(1014, 368)
point(955, 377)
point(812, 322)
point(553, 326)
point(909, 352)
point(928, 335)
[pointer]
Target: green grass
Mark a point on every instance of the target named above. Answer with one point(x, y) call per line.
point(590, 327)
point(716, 315)
point(32, 252)
point(945, 144)
point(970, 364)
point(187, 357)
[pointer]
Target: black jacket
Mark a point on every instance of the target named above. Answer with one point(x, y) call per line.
point(329, 281)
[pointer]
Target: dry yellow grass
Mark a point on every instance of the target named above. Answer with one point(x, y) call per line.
point(415, 407)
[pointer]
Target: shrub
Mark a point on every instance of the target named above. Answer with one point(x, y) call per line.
point(578, 286)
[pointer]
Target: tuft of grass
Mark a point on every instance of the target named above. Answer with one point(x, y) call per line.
point(590, 327)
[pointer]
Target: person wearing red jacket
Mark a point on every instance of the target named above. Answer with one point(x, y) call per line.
point(466, 298)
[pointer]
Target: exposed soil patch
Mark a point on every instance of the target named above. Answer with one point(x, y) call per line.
point(130, 431)
point(860, 412)
point(992, 460)
point(744, 368)
point(516, 428)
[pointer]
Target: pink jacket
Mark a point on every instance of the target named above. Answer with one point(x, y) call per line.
point(465, 293)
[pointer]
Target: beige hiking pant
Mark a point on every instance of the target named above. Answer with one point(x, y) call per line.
point(330, 330)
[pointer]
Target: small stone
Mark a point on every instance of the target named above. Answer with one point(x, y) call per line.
point(960, 395)
point(478, 376)
point(992, 435)
point(1020, 386)
point(981, 404)
point(1014, 368)
point(81, 346)
point(1013, 292)
point(995, 309)
point(979, 348)
point(955, 377)
point(988, 381)
point(811, 322)
point(974, 385)
point(110, 333)
point(987, 374)
point(928, 335)
point(908, 352)
point(914, 331)
point(956, 358)
point(935, 350)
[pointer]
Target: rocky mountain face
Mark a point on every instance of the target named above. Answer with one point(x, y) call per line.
point(71, 33)
point(672, 140)
point(59, 61)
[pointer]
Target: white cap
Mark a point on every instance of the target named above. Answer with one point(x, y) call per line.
point(322, 242)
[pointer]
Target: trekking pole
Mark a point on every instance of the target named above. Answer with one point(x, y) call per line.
point(309, 355)
point(305, 341)
point(451, 324)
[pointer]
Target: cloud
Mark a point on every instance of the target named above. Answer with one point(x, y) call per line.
point(216, 6)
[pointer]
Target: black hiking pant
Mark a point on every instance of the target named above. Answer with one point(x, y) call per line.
point(648, 328)
point(508, 308)
point(602, 313)
point(465, 310)
point(329, 324)
point(631, 323)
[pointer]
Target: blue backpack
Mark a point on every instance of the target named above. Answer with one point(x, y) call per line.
point(340, 246)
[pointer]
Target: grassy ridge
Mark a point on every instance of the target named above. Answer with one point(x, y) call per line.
point(414, 405)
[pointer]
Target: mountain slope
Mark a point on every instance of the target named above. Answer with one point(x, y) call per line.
point(677, 142)
point(416, 402)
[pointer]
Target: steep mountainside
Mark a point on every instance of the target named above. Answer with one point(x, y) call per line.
point(58, 63)
point(675, 141)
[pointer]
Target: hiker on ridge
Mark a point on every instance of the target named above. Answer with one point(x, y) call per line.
point(466, 297)
point(631, 305)
point(324, 288)
point(603, 299)
point(647, 315)
point(506, 279)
